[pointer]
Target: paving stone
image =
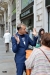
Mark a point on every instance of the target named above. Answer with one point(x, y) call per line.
point(7, 64)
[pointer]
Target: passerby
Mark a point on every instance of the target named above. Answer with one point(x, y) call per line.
point(39, 60)
point(7, 38)
point(20, 43)
point(40, 33)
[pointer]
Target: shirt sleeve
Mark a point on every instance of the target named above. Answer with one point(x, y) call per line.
point(33, 42)
point(15, 46)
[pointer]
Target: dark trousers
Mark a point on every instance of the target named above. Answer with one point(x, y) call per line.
point(20, 68)
point(7, 46)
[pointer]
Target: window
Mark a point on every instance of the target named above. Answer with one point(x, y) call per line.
point(24, 3)
point(13, 5)
point(49, 22)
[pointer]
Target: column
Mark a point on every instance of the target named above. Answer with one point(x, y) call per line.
point(5, 19)
point(38, 14)
point(18, 12)
point(9, 17)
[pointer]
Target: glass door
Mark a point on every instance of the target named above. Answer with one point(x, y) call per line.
point(49, 21)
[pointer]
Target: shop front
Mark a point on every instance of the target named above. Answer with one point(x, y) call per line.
point(27, 16)
point(48, 7)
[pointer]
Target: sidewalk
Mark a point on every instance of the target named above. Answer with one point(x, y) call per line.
point(7, 64)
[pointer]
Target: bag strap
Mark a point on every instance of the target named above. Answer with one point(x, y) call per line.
point(45, 55)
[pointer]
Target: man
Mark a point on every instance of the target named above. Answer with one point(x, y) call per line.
point(20, 43)
point(7, 37)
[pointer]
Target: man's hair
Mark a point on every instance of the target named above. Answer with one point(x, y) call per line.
point(46, 39)
point(19, 26)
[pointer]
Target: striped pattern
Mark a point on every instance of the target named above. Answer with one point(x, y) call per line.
point(38, 62)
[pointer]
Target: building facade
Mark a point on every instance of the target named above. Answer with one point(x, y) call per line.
point(36, 13)
point(40, 15)
point(33, 13)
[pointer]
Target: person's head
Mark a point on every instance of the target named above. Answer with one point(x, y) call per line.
point(45, 39)
point(21, 28)
point(41, 32)
point(7, 31)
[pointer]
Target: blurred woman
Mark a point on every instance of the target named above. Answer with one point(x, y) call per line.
point(39, 60)
point(40, 33)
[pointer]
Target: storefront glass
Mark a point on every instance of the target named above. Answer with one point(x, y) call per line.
point(49, 22)
point(13, 29)
point(28, 22)
point(47, 3)
point(24, 3)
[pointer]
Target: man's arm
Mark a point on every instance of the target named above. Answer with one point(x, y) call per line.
point(33, 42)
point(15, 46)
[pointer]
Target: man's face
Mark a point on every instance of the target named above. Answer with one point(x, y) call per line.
point(23, 29)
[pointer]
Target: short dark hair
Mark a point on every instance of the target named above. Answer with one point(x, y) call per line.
point(46, 39)
point(40, 31)
point(19, 26)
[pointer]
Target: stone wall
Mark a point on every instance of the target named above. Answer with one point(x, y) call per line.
point(40, 15)
point(38, 11)
point(18, 11)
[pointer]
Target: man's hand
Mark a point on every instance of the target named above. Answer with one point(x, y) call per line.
point(34, 32)
point(17, 39)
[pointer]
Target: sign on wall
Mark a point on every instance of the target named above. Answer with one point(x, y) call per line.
point(27, 12)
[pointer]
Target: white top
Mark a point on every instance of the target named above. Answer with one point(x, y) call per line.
point(38, 63)
point(7, 37)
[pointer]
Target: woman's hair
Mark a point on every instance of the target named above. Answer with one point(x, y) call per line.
point(40, 31)
point(46, 39)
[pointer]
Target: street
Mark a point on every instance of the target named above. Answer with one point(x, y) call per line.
point(7, 64)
